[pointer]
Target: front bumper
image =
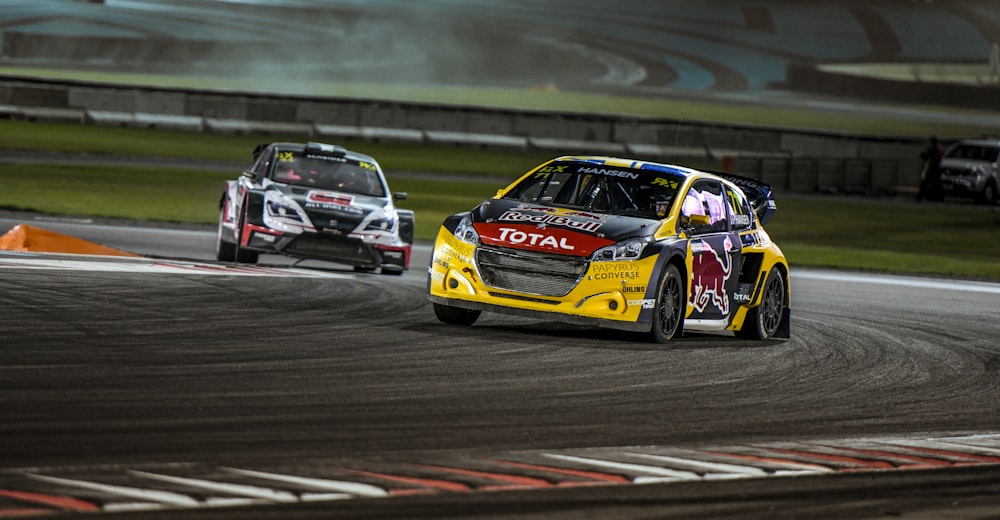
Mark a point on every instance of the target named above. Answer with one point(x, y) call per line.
point(346, 249)
point(615, 294)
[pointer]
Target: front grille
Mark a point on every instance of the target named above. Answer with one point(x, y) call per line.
point(957, 172)
point(331, 247)
point(530, 272)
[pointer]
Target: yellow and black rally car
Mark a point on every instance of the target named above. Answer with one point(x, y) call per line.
point(617, 243)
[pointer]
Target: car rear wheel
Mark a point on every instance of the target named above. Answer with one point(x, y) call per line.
point(668, 316)
point(762, 321)
point(455, 315)
point(225, 251)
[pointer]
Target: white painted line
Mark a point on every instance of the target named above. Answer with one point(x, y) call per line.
point(164, 497)
point(125, 507)
point(164, 267)
point(900, 281)
point(713, 467)
point(968, 446)
point(273, 495)
point(353, 488)
point(656, 471)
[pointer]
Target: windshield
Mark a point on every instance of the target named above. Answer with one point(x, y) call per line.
point(328, 173)
point(974, 152)
point(600, 188)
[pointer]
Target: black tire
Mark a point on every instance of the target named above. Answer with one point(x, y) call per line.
point(225, 251)
point(455, 315)
point(671, 302)
point(244, 256)
point(394, 270)
point(762, 321)
point(988, 195)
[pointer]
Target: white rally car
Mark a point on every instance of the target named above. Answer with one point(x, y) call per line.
point(318, 201)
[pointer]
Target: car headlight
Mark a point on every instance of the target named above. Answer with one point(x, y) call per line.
point(382, 224)
point(630, 249)
point(465, 232)
point(277, 209)
point(282, 213)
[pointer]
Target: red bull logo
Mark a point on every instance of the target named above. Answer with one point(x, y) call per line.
point(710, 271)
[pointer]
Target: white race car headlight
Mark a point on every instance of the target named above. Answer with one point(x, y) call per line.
point(282, 213)
point(382, 224)
point(465, 232)
point(630, 249)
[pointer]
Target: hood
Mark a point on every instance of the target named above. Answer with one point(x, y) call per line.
point(549, 229)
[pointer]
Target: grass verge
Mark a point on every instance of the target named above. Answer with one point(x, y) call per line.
point(876, 235)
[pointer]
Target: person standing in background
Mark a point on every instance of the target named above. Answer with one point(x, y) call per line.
point(930, 178)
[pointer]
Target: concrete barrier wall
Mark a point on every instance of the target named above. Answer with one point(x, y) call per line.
point(838, 162)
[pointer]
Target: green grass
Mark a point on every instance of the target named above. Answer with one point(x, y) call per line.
point(876, 235)
point(144, 193)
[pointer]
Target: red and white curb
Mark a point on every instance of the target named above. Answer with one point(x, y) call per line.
point(40, 491)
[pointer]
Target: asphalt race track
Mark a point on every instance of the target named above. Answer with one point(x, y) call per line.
point(175, 384)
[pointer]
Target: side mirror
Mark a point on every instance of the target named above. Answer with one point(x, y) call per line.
point(399, 195)
point(698, 220)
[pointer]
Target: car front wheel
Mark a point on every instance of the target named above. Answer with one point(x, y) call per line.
point(244, 256)
point(455, 315)
point(668, 317)
point(989, 194)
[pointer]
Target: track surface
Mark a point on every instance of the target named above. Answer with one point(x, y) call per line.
point(140, 378)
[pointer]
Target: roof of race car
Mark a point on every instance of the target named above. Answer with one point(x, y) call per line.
point(298, 147)
point(632, 163)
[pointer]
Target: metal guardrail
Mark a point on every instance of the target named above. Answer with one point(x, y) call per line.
point(798, 160)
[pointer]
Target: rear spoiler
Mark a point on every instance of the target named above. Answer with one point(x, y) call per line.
point(759, 194)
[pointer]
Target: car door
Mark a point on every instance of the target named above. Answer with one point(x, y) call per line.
point(714, 255)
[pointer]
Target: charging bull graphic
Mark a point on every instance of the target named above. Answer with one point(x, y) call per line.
point(710, 271)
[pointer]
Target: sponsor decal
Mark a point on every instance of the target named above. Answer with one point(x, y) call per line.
point(265, 237)
point(552, 168)
point(640, 289)
point(588, 226)
point(286, 157)
point(614, 271)
point(710, 271)
point(326, 158)
point(647, 303)
point(609, 173)
point(457, 249)
point(332, 201)
point(329, 197)
point(743, 293)
point(549, 240)
point(541, 240)
point(741, 221)
point(669, 183)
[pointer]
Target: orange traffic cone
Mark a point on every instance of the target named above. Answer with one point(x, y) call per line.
point(25, 238)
